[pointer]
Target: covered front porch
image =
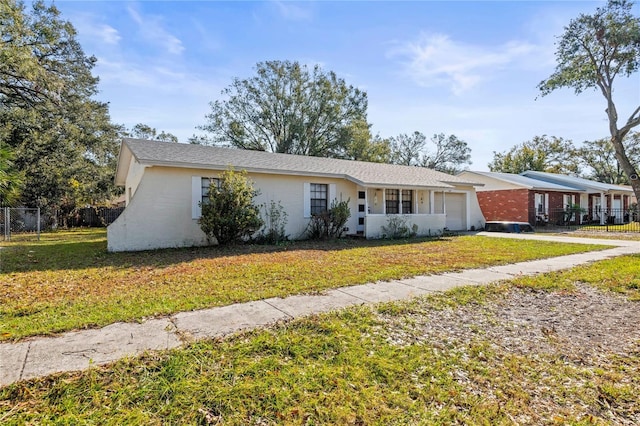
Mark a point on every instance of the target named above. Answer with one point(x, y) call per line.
point(606, 208)
point(427, 210)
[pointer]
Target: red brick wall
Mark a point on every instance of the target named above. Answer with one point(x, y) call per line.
point(556, 201)
point(512, 204)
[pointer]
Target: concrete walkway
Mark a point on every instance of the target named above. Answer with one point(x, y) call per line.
point(79, 350)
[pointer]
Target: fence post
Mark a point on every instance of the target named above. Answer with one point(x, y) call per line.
point(38, 219)
point(7, 224)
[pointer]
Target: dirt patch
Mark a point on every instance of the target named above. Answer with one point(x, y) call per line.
point(564, 338)
point(579, 323)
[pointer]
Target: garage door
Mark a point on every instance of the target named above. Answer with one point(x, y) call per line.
point(456, 212)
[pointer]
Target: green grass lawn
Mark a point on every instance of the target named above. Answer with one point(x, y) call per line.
point(68, 280)
point(350, 367)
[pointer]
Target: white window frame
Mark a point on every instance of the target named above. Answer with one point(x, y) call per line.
point(541, 199)
point(307, 196)
point(567, 197)
point(196, 194)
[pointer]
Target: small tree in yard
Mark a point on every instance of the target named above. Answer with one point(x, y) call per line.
point(230, 215)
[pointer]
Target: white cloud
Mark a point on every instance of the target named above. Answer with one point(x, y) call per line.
point(292, 11)
point(436, 59)
point(88, 27)
point(109, 34)
point(157, 78)
point(151, 28)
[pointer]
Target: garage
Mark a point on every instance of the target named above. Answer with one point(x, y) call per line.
point(456, 206)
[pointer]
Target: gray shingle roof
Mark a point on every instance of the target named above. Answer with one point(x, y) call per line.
point(157, 153)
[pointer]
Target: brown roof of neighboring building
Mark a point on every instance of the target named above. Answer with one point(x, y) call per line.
point(156, 153)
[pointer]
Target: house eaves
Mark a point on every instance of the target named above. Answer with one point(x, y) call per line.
point(527, 182)
point(124, 158)
point(585, 185)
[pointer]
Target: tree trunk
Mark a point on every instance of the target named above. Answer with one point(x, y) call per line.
point(626, 165)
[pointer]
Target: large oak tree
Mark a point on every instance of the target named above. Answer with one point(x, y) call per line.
point(592, 52)
point(288, 108)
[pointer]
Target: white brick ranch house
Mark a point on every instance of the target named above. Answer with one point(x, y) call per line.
point(164, 183)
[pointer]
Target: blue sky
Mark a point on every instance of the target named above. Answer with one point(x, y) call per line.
point(453, 67)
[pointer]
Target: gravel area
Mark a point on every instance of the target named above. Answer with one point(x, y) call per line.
point(580, 330)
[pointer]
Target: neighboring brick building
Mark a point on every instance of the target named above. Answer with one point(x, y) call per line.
point(538, 197)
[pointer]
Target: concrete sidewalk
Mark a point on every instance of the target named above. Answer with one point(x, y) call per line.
point(79, 350)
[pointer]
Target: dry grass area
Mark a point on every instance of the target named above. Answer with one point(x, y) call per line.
point(556, 349)
point(556, 357)
point(69, 281)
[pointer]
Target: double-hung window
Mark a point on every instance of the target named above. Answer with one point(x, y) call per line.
point(407, 201)
point(567, 200)
point(319, 193)
point(200, 193)
point(205, 184)
point(392, 201)
point(317, 197)
point(541, 203)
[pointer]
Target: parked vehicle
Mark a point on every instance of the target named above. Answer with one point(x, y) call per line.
point(511, 227)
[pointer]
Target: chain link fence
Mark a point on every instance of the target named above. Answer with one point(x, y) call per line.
point(20, 223)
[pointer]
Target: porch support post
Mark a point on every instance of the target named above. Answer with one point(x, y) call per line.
point(384, 201)
point(366, 201)
point(399, 201)
point(603, 207)
point(444, 204)
point(432, 200)
point(584, 203)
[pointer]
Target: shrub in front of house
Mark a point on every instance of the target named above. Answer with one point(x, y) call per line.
point(275, 223)
point(330, 223)
point(230, 215)
point(397, 228)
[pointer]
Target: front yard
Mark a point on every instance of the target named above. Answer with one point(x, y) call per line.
point(69, 281)
point(562, 348)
